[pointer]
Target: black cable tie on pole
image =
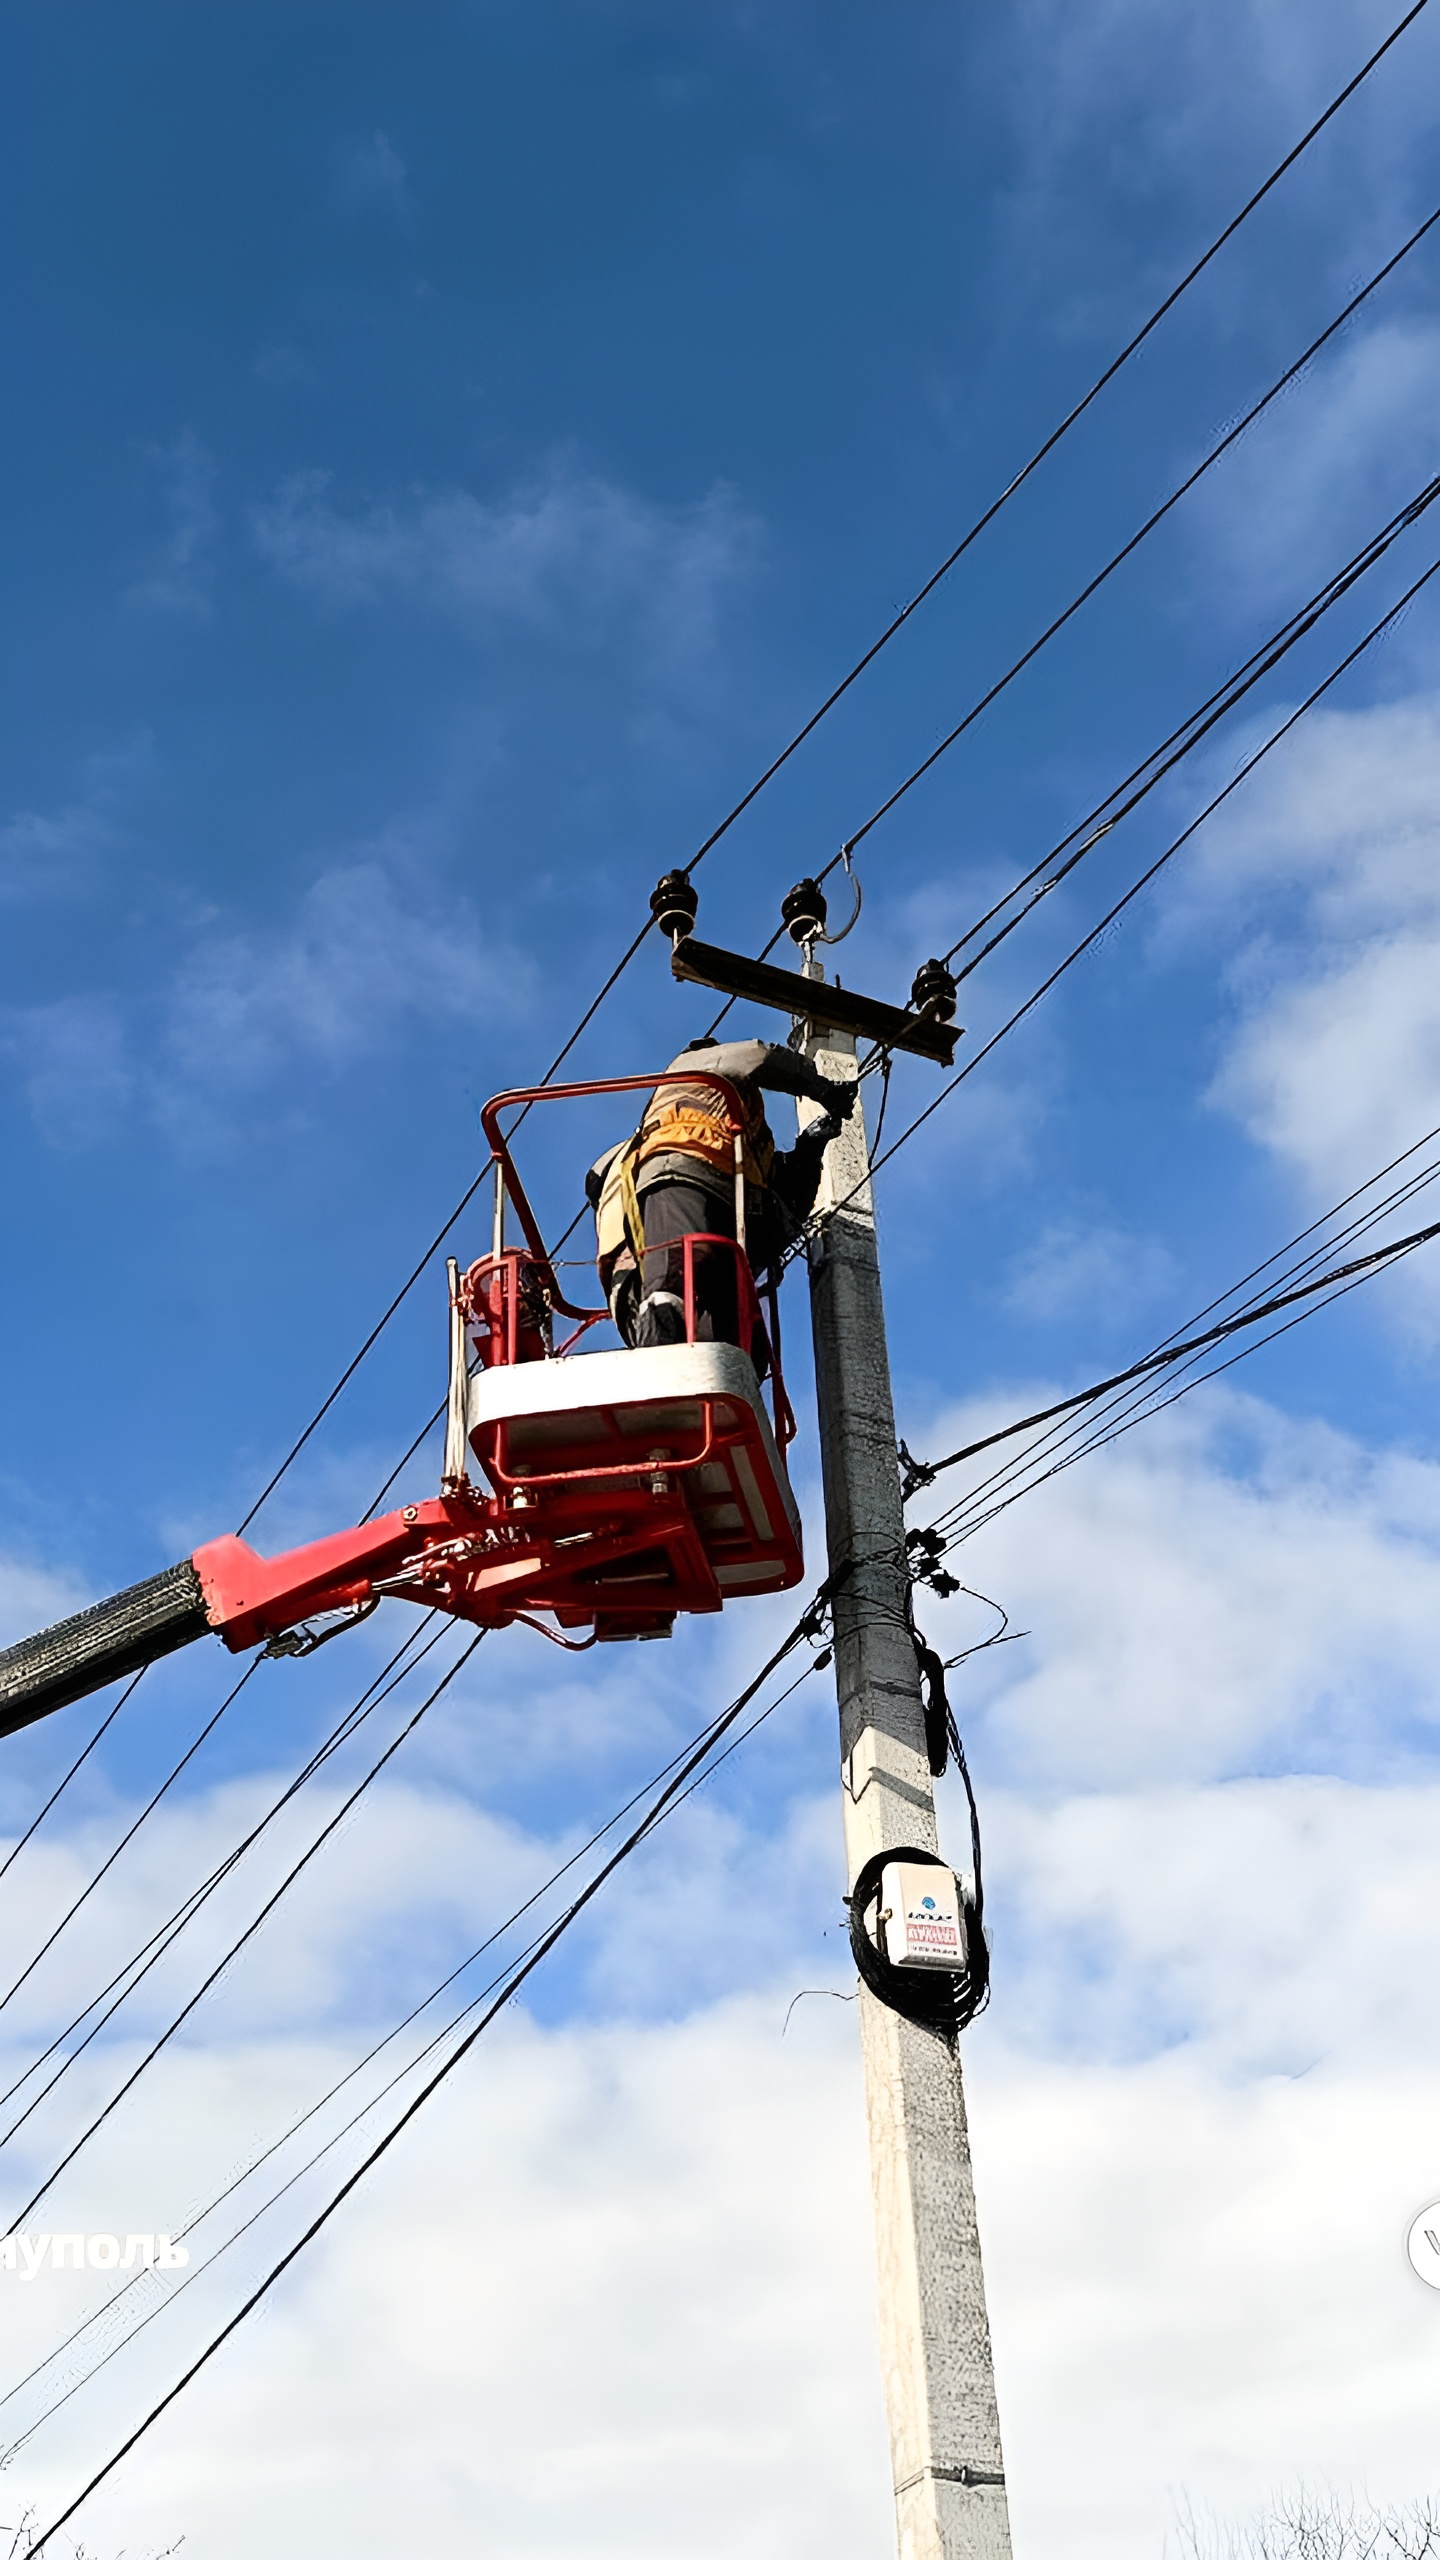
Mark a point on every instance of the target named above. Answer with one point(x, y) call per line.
point(834, 1581)
point(923, 1551)
point(914, 1473)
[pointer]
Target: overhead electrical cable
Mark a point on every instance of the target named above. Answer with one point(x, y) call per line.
point(1299, 1265)
point(1350, 1274)
point(1414, 1182)
point(1093, 585)
point(969, 1526)
point(356, 2068)
point(1125, 796)
point(213, 1976)
point(76, 1765)
point(180, 1918)
point(1073, 1436)
point(104, 1868)
point(1067, 1439)
point(896, 624)
point(1081, 839)
point(397, 2079)
point(1070, 419)
point(1247, 767)
point(808, 1622)
point(136, 1967)
point(1080, 1438)
point(925, 1471)
point(1164, 759)
point(1181, 741)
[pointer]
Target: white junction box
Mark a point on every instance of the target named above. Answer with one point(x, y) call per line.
point(920, 1918)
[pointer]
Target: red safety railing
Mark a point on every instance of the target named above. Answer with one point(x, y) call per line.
point(512, 1293)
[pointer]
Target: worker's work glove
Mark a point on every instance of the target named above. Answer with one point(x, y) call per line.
point(817, 1134)
point(843, 1096)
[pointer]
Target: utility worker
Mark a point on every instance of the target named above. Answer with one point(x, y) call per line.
point(676, 1178)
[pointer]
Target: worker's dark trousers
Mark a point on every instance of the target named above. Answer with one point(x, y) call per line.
point(671, 1211)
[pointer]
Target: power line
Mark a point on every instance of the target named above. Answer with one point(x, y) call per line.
point(163, 1939)
point(1048, 446)
point(897, 622)
point(339, 1735)
point(1080, 948)
point(1070, 419)
point(1127, 795)
point(1360, 1225)
point(407, 2070)
point(296, 1870)
point(995, 1492)
point(73, 1771)
point(1092, 587)
point(924, 1472)
point(104, 1868)
point(1165, 759)
point(809, 1622)
point(968, 1527)
point(353, 2072)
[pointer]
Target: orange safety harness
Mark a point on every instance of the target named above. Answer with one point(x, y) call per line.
point(675, 1125)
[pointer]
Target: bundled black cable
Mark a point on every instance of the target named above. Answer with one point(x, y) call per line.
point(945, 2000)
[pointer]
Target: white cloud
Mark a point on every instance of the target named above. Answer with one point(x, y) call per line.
point(1324, 470)
point(569, 554)
point(1324, 879)
point(1200, 2287)
point(363, 953)
point(181, 573)
point(622, 2275)
point(1184, 115)
point(1221, 1591)
point(44, 853)
point(1266, 1927)
point(371, 948)
point(31, 1596)
point(620, 2271)
point(1102, 1271)
point(73, 1066)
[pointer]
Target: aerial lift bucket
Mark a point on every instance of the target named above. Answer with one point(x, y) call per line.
point(617, 1490)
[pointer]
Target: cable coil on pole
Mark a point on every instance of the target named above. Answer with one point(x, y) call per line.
point(944, 2001)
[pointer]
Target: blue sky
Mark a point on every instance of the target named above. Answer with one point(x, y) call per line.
point(451, 449)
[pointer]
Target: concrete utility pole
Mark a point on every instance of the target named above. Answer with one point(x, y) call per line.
point(934, 2333)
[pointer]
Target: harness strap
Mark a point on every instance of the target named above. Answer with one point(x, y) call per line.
point(630, 1208)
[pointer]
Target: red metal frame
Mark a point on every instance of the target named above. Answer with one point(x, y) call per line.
point(747, 1295)
point(558, 1541)
point(524, 1096)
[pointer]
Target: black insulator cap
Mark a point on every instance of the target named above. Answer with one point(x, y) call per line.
point(674, 904)
point(934, 992)
point(803, 911)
